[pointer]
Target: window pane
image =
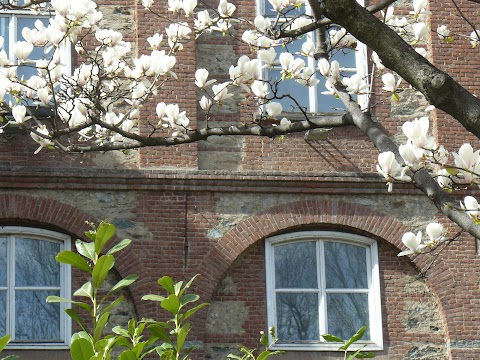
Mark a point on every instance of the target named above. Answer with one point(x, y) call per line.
point(4, 32)
point(297, 317)
point(3, 263)
point(290, 87)
point(346, 58)
point(346, 313)
point(35, 318)
point(296, 266)
point(35, 263)
point(3, 313)
point(345, 266)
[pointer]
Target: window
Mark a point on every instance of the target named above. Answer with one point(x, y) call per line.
point(30, 274)
point(312, 98)
point(12, 24)
point(321, 282)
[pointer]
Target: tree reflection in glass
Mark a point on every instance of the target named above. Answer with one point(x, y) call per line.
point(296, 266)
point(297, 316)
point(347, 313)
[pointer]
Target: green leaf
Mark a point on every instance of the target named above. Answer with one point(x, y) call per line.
point(182, 336)
point(101, 269)
point(167, 283)
point(120, 331)
point(71, 258)
point(395, 97)
point(193, 311)
point(357, 336)
point(332, 338)
point(185, 299)
point(178, 288)
point(74, 316)
point(127, 281)
point(113, 304)
point(100, 326)
point(120, 246)
point(104, 232)
point(153, 297)
point(86, 249)
point(86, 290)
point(128, 355)
point(160, 332)
point(131, 327)
point(171, 304)
point(58, 299)
point(81, 349)
point(4, 341)
point(452, 171)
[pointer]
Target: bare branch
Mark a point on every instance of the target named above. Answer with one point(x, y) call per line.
point(328, 121)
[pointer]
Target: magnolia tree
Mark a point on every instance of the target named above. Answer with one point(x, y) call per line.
point(97, 106)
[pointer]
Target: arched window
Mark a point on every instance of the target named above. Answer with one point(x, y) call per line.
point(28, 274)
point(321, 282)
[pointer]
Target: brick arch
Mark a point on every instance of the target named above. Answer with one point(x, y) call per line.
point(24, 210)
point(297, 215)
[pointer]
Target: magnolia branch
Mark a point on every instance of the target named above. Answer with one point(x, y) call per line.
point(437, 86)
point(204, 133)
point(422, 179)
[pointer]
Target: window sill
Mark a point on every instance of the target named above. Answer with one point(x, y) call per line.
point(326, 347)
point(42, 346)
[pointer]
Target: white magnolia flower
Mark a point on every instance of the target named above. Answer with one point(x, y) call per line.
point(469, 160)
point(188, 6)
point(443, 178)
point(19, 112)
point(267, 56)
point(355, 84)
point(420, 31)
point(285, 122)
point(262, 23)
point(260, 89)
point(390, 84)
point(391, 170)
point(474, 38)
point(42, 141)
point(205, 103)
point(435, 234)
point(417, 132)
point(226, 9)
point(378, 62)
point(147, 3)
point(155, 40)
point(273, 109)
point(422, 52)
point(324, 67)
point(412, 242)
point(471, 207)
point(221, 92)
point(290, 66)
point(443, 32)
point(203, 20)
point(201, 76)
point(308, 48)
point(22, 50)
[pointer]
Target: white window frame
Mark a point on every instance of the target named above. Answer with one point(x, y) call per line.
point(361, 62)
point(12, 232)
point(13, 16)
point(374, 297)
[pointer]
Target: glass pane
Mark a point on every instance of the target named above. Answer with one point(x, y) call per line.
point(29, 22)
point(345, 266)
point(3, 262)
point(293, 48)
point(346, 314)
point(4, 32)
point(296, 266)
point(3, 313)
point(289, 87)
point(35, 263)
point(34, 318)
point(346, 58)
point(297, 317)
point(26, 72)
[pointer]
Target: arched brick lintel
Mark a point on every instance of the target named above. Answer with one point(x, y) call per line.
point(337, 214)
point(23, 210)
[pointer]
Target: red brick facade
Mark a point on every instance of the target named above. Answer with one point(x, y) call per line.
point(190, 212)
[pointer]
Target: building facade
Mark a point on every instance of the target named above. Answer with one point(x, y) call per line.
point(299, 233)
